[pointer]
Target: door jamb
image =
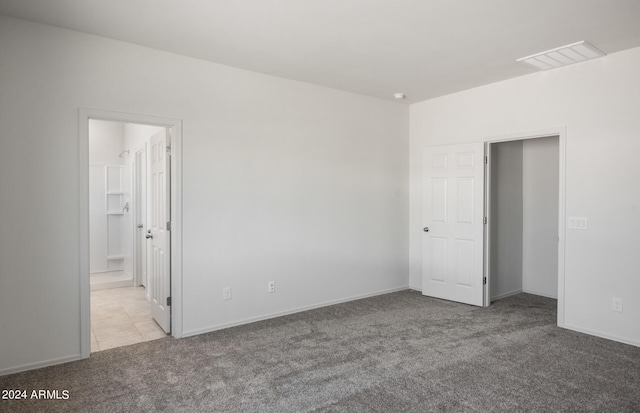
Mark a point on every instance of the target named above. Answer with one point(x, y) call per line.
point(487, 228)
point(561, 132)
point(137, 277)
point(175, 127)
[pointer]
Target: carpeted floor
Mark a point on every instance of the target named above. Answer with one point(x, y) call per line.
point(399, 352)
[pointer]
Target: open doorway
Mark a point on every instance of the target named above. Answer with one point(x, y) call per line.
point(120, 200)
point(130, 228)
point(460, 260)
point(523, 209)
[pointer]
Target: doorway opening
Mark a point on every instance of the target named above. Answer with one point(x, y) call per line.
point(121, 297)
point(524, 207)
point(130, 239)
point(472, 254)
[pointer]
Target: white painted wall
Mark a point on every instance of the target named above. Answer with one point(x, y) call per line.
point(97, 220)
point(282, 180)
point(506, 219)
point(540, 216)
point(598, 103)
point(106, 143)
point(136, 135)
point(127, 217)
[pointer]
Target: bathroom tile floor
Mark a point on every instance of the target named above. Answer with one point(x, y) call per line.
point(121, 316)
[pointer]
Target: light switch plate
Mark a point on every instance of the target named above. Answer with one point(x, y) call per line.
point(617, 304)
point(577, 223)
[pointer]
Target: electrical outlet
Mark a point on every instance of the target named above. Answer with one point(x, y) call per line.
point(271, 286)
point(617, 304)
point(226, 293)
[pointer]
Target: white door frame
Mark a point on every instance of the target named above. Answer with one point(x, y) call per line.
point(136, 193)
point(175, 126)
point(561, 132)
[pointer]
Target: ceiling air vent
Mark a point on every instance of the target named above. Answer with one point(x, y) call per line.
point(562, 56)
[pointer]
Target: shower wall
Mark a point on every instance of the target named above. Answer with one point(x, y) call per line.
point(109, 196)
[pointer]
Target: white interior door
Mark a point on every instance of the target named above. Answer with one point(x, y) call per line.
point(453, 213)
point(159, 268)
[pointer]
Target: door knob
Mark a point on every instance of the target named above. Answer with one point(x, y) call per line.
point(425, 229)
point(149, 235)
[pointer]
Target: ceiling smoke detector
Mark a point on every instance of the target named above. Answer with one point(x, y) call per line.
point(562, 56)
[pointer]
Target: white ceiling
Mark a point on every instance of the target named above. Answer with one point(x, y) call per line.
point(423, 48)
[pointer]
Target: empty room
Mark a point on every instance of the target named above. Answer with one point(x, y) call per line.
point(293, 206)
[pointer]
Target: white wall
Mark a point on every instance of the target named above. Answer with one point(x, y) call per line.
point(97, 220)
point(282, 180)
point(540, 216)
point(106, 142)
point(506, 219)
point(598, 103)
point(136, 135)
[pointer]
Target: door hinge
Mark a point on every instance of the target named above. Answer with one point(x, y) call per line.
point(484, 220)
point(169, 150)
point(168, 301)
point(484, 281)
point(486, 160)
point(168, 225)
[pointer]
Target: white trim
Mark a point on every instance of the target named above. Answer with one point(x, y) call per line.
point(292, 311)
point(486, 226)
point(109, 285)
point(39, 365)
point(505, 295)
point(175, 126)
point(176, 230)
point(602, 335)
point(540, 294)
point(518, 136)
point(561, 133)
point(135, 187)
point(562, 202)
point(83, 247)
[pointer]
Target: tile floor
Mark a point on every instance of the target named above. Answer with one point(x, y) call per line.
point(121, 316)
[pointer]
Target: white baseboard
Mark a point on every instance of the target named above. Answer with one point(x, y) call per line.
point(555, 297)
point(39, 365)
point(288, 312)
point(505, 295)
point(52, 362)
point(623, 340)
point(111, 284)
